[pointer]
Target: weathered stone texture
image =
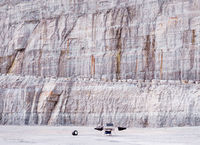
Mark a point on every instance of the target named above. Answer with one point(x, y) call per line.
point(151, 39)
point(38, 101)
point(117, 43)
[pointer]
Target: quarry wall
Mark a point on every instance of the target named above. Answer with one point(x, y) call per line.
point(112, 39)
point(87, 62)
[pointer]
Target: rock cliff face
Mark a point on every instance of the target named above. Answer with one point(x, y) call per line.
point(110, 42)
point(31, 100)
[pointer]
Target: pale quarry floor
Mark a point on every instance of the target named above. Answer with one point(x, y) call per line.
point(48, 135)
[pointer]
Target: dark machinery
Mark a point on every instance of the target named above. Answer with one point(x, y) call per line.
point(108, 128)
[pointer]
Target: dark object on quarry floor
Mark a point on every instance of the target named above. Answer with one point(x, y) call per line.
point(121, 128)
point(99, 128)
point(109, 124)
point(108, 132)
point(75, 133)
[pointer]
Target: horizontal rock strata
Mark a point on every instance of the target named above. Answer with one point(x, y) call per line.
point(87, 62)
point(113, 39)
point(50, 101)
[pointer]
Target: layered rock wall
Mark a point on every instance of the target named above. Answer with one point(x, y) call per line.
point(113, 39)
point(38, 101)
point(142, 58)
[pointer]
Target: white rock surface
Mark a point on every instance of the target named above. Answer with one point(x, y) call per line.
point(112, 39)
point(37, 101)
point(46, 45)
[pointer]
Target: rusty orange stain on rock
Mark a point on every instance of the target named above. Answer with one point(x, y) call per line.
point(67, 46)
point(92, 65)
point(147, 50)
point(193, 37)
point(118, 64)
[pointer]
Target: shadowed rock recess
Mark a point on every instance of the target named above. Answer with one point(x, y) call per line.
point(87, 62)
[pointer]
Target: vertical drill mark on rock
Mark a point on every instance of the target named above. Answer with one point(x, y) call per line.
point(44, 33)
point(153, 56)
point(92, 65)
point(39, 63)
point(150, 57)
point(119, 52)
point(136, 67)
point(60, 63)
point(118, 64)
point(112, 67)
point(1, 118)
point(67, 46)
point(147, 51)
point(192, 55)
point(1, 104)
point(161, 65)
point(193, 37)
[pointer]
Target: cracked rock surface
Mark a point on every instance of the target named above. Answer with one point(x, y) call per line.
point(42, 101)
point(47, 47)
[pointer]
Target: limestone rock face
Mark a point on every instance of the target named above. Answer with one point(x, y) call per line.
point(117, 43)
point(39, 101)
point(113, 39)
